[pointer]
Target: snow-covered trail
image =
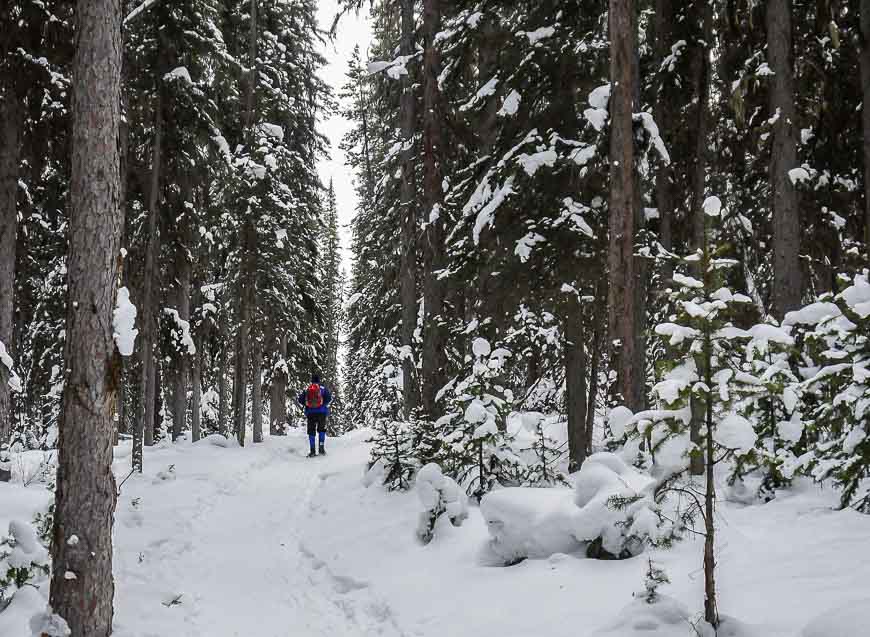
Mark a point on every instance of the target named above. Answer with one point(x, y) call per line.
point(226, 557)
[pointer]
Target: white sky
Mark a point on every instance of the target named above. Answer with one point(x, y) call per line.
point(352, 30)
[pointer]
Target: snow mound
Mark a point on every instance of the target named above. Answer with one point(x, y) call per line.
point(842, 621)
point(219, 440)
point(603, 477)
point(530, 522)
point(665, 618)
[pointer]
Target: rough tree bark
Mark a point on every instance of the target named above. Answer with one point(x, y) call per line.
point(409, 206)
point(575, 388)
point(787, 279)
point(434, 334)
point(85, 498)
point(865, 117)
point(625, 302)
point(278, 393)
point(11, 123)
point(666, 118)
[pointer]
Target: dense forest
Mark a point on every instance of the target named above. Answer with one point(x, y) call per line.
point(643, 223)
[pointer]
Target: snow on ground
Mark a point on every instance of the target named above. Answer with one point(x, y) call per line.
point(219, 541)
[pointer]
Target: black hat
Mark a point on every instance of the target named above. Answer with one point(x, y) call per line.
point(315, 379)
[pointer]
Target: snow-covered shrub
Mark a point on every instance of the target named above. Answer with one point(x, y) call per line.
point(617, 515)
point(393, 455)
point(769, 395)
point(546, 452)
point(528, 522)
point(836, 392)
point(664, 618)
point(24, 560)
point(474, 446)
point(439, 495)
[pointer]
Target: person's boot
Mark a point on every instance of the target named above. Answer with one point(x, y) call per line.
point(322, 450)
point(311, 453)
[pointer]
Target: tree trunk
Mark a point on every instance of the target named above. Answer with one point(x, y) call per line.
point(787, 278)
point(408, 267)
point(278, 393)
point(143, 428)
point(223, 364)
point(196, 397)
point(598, 330)
point(625, 302)
point(85, 498)
point(11, 122)
point(183, 273)
point(700, 66)
point(575, 390)
point(248, 245)
point(434, 333)
point(257, 391)
point(865, 117)
point(667, 119)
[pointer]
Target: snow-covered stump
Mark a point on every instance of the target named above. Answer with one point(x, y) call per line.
point(527, 522)
point(439, 495)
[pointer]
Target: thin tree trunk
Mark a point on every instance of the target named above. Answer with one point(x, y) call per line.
point(434, 334)
point(143, 428)
point(257, 391)
point(598, 330)
point(865, 116)
point(248, 245)
point(711, 611)
point(625, 303)
point(196, 397)
point(787, 278)
point(11, 122)
point(223, 364)
point(575, 390)
point(701, 80)
point(85, 497)
point(666, 118)
point(183, 273)
point(278, 393)
point(408, 193)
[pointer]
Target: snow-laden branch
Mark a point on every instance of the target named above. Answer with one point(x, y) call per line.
point(138, 11)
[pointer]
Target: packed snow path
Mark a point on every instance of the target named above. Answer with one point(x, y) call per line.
point(214, 546)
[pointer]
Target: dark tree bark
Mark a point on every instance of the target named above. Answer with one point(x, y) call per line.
point(666, 116)
point(11, 123)
point(409, 207)
point(278, 394)
point(787, 279)
point(865, 116)
point(183, 275)
point(257, 391)
point(576, 369)
point(434, 333)
point(85, 499)
point(625, 302)
point(196, 397)
point(143, 427)
point(223, 365)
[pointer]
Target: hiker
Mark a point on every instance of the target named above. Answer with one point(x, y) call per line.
point(315, 400)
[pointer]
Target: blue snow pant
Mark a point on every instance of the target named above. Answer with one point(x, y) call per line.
point(316, 423)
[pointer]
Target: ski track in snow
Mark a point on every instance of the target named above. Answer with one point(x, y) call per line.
point(230, 555)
